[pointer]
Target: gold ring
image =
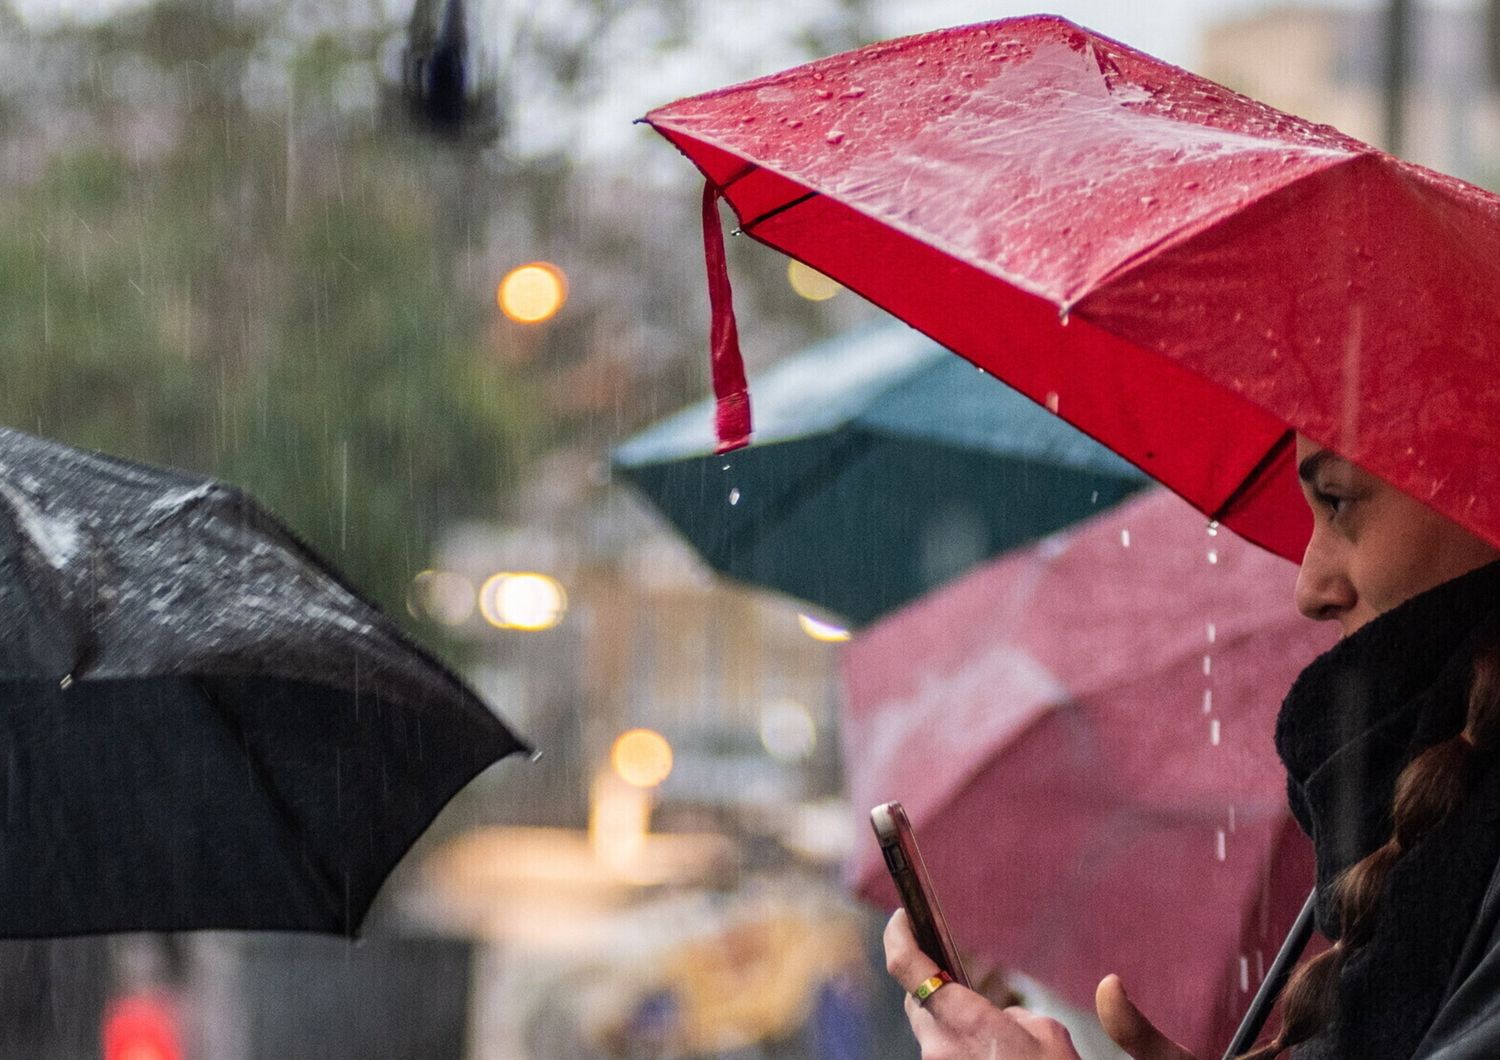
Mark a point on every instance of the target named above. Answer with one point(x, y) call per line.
point(931, 985)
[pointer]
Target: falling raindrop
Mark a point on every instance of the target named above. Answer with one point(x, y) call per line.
point(724, 468)
point(1220, 844)
point(1213, 528)
point(1124, 538)
point(734, 495)
point(1213, 632)
point(1052, 401)
point(1231, 820)
point(66, 682)
point(1213, 555)
point(1208, 665)
point(1208, 701)
point(1244, 972)
point(1213, 732)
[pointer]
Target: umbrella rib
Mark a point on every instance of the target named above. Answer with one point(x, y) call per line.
point(823, 473)
point(783, 208)
point(1257, 473)
point(321, 878)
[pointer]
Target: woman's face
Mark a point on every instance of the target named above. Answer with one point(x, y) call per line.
point(1372, 546)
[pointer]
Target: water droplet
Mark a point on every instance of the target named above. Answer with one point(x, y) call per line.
point(852, 93)
point(536, 756)
point(1220, 844)
point(1213, 732)
point(1124, 538)
point(66, 682)
point(724, 468)
point(835, 136)
point(1063, 315)
point(1148, 200)
point(1213, 555)
point(1208, 701)
point(794, 123)
point(1213, 632)
point(1094, 497)
point(748, 119)
point(734, 495)
point(1213, 528)
point(824, 93)
point(1208, 665)
point(1052, 401)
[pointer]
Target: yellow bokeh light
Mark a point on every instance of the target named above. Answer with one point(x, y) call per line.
point(642, 757)
point(522, 600)
point(810, 283)
point(532, 293)
point(826, 632)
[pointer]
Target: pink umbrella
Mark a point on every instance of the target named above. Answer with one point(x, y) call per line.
point(1082, 734)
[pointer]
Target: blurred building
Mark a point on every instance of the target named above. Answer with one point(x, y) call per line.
point(1327, 63)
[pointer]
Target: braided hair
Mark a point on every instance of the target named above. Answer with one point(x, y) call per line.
point(1430, 787)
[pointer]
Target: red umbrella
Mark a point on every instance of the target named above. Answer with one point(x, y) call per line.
point(1082, 734)
point(1184, 273)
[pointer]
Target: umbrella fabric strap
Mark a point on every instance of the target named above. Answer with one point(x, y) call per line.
point(732, 411)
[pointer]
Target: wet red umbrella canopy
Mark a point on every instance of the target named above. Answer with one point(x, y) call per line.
point(1186, 274)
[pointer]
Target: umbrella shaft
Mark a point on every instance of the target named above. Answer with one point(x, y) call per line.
point(1276, 977)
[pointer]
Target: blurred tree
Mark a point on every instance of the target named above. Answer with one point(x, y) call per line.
point(266, 292)
point(225, 243)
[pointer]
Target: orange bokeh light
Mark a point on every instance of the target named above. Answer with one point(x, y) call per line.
point(532, 293)
point(642, 757)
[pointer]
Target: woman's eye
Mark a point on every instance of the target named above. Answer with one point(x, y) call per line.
point(1334, 503)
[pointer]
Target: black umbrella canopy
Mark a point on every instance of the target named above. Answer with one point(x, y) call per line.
point(882, 467)
point(201, 724)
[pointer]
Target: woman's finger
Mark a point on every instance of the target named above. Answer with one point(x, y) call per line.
point(1130, 1028)
point(953, 1020)
point(907, 964)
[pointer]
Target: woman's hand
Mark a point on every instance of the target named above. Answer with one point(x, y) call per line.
point(957, 1024)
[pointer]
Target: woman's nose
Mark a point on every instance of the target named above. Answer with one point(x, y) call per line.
point(1323, 589)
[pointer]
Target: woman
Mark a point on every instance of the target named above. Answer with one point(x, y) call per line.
point(1389, 743)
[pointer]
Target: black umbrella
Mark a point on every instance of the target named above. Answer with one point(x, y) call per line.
point(201, 724)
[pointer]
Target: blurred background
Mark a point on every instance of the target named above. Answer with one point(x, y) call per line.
point(407, 271)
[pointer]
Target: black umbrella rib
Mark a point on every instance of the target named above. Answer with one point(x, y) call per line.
point(324, 882)
point(783, 208)
point(1258, 472)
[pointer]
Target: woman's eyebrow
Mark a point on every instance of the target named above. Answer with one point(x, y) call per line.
point(1308, 469)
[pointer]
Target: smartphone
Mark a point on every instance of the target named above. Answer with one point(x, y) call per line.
point(898, 845)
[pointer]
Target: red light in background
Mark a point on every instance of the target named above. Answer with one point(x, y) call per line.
point(142, 1027)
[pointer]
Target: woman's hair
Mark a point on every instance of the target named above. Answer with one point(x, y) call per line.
point(1428, 789)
